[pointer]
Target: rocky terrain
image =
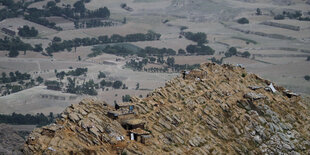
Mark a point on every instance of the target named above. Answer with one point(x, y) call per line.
point(213, 110)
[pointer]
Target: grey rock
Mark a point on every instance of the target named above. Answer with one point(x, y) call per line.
point(74, 117)
point(257, 139)
point(254, 96)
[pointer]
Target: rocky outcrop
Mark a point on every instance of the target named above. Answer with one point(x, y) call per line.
point(220, 113)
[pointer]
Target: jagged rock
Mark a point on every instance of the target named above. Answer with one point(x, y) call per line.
point(255, 87)
point(254, 96)
point(74, 117)
point(257, 139)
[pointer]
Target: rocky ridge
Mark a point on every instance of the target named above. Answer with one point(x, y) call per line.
point(212, 110)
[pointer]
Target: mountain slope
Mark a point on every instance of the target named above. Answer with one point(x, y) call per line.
point(213, 110)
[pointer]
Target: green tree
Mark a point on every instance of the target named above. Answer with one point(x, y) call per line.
point(243, 21)
point(39, 79)
point(231, 52)
point(279, 17)
point(126, 98)
point(170, 61)
point(79, 6)
point(117, 84)
point(181, 52)
point(56, 39)
point(137, 86)
point(307, 77)
point(101, 75)
point(246, 54)
point(102, 83)
point(258, 11)
point(38, 48)
point(13, 53)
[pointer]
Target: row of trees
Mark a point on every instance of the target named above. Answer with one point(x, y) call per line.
point(291, 15)
point(20, 85)
point(233, 52)
point(200, 50)
point(13, 77)
point(76, 72)
point(43, 21)
point(88, 87)
point(199, 37)
point(20, 119)
point(77, 42)
point(13, 45)
point(122, 51)
point(116, 84)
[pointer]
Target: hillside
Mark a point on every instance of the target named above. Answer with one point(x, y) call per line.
point(213, 110)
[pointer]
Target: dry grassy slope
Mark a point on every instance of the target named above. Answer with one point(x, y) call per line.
point(211, 116)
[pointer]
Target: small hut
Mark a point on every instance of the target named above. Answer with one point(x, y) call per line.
point(136, 134)
point(125, 105)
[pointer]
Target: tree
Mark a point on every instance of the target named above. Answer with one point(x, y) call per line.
point(246, 54)
point(191, 49)
point(307, 77)
point(258, 11)
point(231, 52)
point(79, 6)
point(170, 61)
point(126, 98)
point(38, 48)
point(279, 17)
point(308, 58)
point(152, 59)
point(102, 83)
point(198, 37)
point(117, 84)
point(243, 21)
point(181, 52)
point(40, 79)
point(101, 75)
point(13, 53)
point(50, 4)
point(137, 86)
point(56, 39)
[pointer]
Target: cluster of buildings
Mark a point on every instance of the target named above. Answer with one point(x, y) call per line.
point(124, 113)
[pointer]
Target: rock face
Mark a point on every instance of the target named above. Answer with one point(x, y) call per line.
point(216, 114)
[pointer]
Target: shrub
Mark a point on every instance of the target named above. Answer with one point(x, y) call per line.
point(117, 84)
point(246, 54)
point(13, 53)
point(278, 17)
point(243, 21)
